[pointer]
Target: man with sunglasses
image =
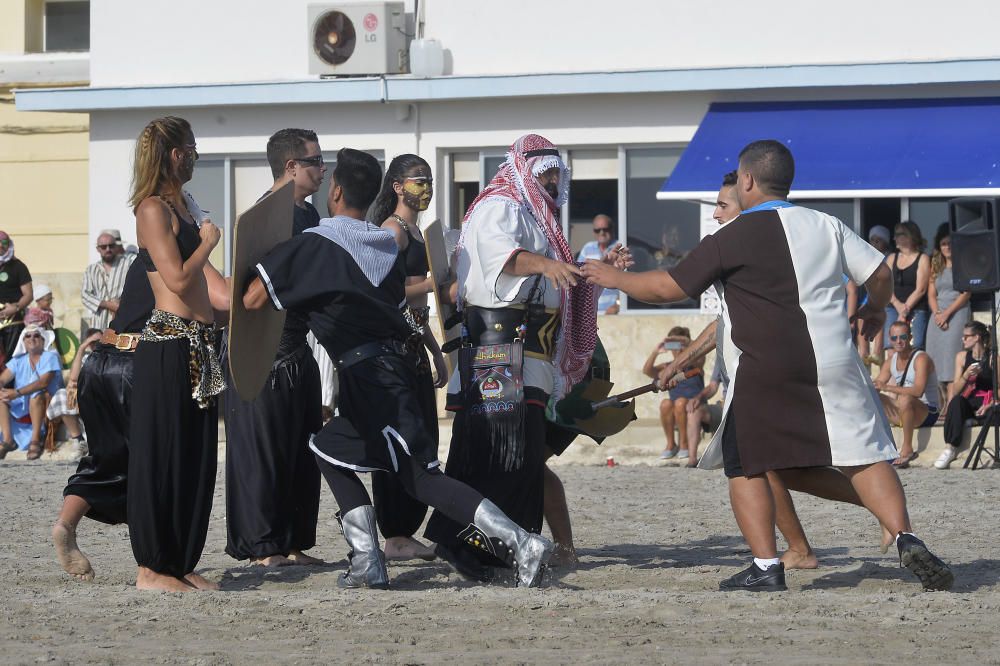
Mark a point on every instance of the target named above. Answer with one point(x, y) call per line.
point(604, 234)
point(104, 280)
point(272, 481)
point(908, 388)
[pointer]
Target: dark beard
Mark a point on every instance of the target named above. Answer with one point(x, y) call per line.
point(552, 190)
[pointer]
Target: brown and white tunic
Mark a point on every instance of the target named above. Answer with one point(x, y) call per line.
point(800, 396)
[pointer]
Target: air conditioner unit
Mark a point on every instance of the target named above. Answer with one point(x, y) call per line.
point(356, 39)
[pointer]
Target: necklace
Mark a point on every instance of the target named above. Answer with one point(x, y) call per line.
point(403, 223)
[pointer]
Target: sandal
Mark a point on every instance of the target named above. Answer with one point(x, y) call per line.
point(5, 448)
point(902, 462)
point(35, 450)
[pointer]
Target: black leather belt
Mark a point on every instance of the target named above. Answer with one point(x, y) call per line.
point(493, 326)
point(369, 350)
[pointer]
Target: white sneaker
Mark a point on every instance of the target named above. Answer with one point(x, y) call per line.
point(947, 456)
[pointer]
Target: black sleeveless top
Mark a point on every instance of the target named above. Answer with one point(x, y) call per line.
point(188, 240)
point(984, 380)
point(904, 282)
point(415, 258)
point(137, 301)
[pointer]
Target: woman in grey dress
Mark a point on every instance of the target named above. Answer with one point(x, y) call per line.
point(950, 310)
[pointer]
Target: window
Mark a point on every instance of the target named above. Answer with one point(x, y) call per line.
point(929, 214)
point(67, 25)
point(660, 233)
point(593, 191)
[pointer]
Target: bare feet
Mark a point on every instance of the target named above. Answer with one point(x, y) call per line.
point(793, 559)
point(73, 562)
point(564, 557)
point(201, 583)
point(407, 548)
point(147, 579)
point(888, 538)
point(273, 561)
point(298, 557)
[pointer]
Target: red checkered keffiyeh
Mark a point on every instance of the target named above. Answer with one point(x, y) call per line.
point(516, 183)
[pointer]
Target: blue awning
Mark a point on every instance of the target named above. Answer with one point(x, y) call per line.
point(865, 148)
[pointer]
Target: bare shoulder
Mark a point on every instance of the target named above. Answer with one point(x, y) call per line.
point(397, 230)
point(153, 211)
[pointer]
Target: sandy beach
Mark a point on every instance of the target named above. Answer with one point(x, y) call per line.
point(654, 542)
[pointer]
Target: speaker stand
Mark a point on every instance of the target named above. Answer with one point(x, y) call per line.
point(991, 421)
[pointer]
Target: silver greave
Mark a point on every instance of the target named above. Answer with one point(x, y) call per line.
point(531, 551)
point(367, 561)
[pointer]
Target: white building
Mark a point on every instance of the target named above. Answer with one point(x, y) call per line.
point(621, 87)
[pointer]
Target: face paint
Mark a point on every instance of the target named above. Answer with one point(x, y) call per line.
point(417, 194)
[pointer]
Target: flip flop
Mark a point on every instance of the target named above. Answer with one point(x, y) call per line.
point(903, 462)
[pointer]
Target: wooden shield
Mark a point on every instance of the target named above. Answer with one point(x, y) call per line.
point(254, 336)
point(439, 261)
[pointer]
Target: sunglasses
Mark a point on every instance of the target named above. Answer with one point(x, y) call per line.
point(31, 336)
point(107, 246)
point(315, 160)
point(899, 337)
point(602, 230)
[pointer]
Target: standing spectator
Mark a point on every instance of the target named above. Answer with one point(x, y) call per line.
point(35, 376)
point(41, 314)
point(908, 389)
point(971, 391)
point(947, 306)
point(673, 410)
point(598, 248)
point(104, 280)
point(911, 276)
point(15, 295)
point(871, 352)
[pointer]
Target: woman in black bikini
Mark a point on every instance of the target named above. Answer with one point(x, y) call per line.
point(911, 276)
point(173, 433)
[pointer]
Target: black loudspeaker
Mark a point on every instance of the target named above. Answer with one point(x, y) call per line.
point(975, 243)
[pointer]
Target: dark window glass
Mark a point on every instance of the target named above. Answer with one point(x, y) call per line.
point(588, 198)
point(67, 26)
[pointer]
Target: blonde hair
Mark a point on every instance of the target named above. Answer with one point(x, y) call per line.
point(151, 168)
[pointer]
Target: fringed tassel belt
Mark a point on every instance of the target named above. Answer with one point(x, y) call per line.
point(206, 374)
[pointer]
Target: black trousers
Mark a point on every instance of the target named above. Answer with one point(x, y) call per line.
point(272, 481)
point(960, 409)
point(397, 512)
point(517, 492)
point(172, 461)
point(105, 397)
point(8, 341)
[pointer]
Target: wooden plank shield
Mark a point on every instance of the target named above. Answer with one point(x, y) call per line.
point(254, 335)
point(439, 263)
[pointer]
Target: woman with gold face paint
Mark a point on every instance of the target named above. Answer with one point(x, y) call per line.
point(406, 192)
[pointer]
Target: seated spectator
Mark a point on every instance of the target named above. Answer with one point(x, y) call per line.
point(15, 295)
point(673, 410)
point(908, 388)
point(30, 379)
point(603, 241)
point(703, 416)
point(41, 313)
point(63, 407)
point(971, 391)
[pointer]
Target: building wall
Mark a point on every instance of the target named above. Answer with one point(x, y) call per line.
point(228, 40)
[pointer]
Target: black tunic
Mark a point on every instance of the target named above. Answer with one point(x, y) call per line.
point(272, 481)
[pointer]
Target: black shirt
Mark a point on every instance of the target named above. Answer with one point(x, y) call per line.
point(293, 336)
point(313, 275)
point(137, 301)
point(13, 275)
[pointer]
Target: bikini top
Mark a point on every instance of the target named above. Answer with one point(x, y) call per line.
point(188, 239)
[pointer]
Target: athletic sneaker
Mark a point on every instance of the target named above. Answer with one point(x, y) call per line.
point(922, 563)
point(946, 458)
point(755, 579)
point(668, 454)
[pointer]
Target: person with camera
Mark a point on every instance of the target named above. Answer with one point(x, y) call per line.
point(673, 409)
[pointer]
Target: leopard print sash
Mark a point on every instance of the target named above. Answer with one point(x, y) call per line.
point(206, 374)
